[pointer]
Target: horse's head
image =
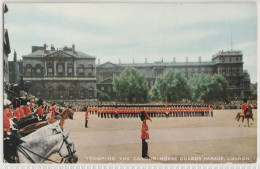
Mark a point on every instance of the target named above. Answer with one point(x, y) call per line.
point(56, 128)
point(67, 149)
point(68, 113)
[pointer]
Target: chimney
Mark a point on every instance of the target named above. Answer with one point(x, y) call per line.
point(45, 48)
point(145, 60)
point(133, 60)
point(98, 61)
point(187, 60)
point(199, 59)
point(119, 61)
point(162, 60)
point(15, 56)
point(52, 47)
point(174, 59)
point(73, 48)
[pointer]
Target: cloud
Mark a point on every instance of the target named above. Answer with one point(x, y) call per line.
point(111, 31)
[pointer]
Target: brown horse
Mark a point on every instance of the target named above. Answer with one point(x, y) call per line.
point(32, 127)
point(248, 115)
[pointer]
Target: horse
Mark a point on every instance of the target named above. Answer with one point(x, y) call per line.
point(248, 115)
point(67, 113)
point(50, 129)
point(40, 149)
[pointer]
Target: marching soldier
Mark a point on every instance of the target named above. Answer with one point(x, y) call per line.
point(116, 113)
point(86, 118)
point(145, 134)
point(211, 111)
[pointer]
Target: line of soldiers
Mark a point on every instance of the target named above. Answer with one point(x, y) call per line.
point(17, 108)
point(132, 111)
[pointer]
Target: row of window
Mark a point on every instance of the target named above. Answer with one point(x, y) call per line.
point(70, 93)
point(60, 69)
point(223, 59)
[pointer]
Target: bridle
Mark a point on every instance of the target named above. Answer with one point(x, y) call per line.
point(71, 152)
point(70, 155)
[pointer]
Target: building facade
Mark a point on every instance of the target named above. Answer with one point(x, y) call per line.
point(14, 69)
point(60, 74)
point(227, 63)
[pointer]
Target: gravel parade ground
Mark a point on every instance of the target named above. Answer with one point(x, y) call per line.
point(217, 139)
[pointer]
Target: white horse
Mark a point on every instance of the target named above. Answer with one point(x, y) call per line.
point(48, 130)
point(40, 149)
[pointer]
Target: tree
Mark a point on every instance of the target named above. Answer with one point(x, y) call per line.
point(253, 88)
point(101, 96)
point(205, 88)
point(172, 85)
point(131, 84)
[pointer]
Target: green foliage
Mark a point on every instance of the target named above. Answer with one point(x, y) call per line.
point(101, 96)
point(130, 84)
point(253, 88)
point(172, 85)
point(206, 88)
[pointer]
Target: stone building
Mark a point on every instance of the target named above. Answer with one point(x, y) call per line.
point(14, 69)
point(60, 74)
point(229, 64)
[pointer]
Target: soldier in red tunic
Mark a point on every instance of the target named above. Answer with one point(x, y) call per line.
point(86, 118)
point(244, 106)
point(40, 112)
point(144, 134)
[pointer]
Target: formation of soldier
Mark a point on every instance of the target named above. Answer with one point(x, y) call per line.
point(133, 111)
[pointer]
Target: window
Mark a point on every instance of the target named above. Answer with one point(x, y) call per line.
point(61, 92)
point(90, 69)
point(71, 92)
point(91, 93)
point(81, 69)
point(49, 70)
point(51, 92)
point(82, 93)
point(109, 89)
point(70, 69)
point(38, 69)
point(237, 71)
point(223, 59)
point(60, 68)
point(102, 88)
point(28, 68)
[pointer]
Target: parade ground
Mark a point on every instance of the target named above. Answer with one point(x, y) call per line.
point(217, 139)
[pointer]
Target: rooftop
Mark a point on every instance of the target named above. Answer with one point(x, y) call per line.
point(41, 51)
point(224, 53)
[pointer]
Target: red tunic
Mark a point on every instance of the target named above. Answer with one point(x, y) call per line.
point(6, 124)
point(86, 115)
point(26, 110)
point(17, 113)
point(244, 106)
point(40, 111)
point(8, 113)
point(144, 132)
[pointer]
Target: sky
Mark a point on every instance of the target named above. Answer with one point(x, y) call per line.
point(135, 31)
